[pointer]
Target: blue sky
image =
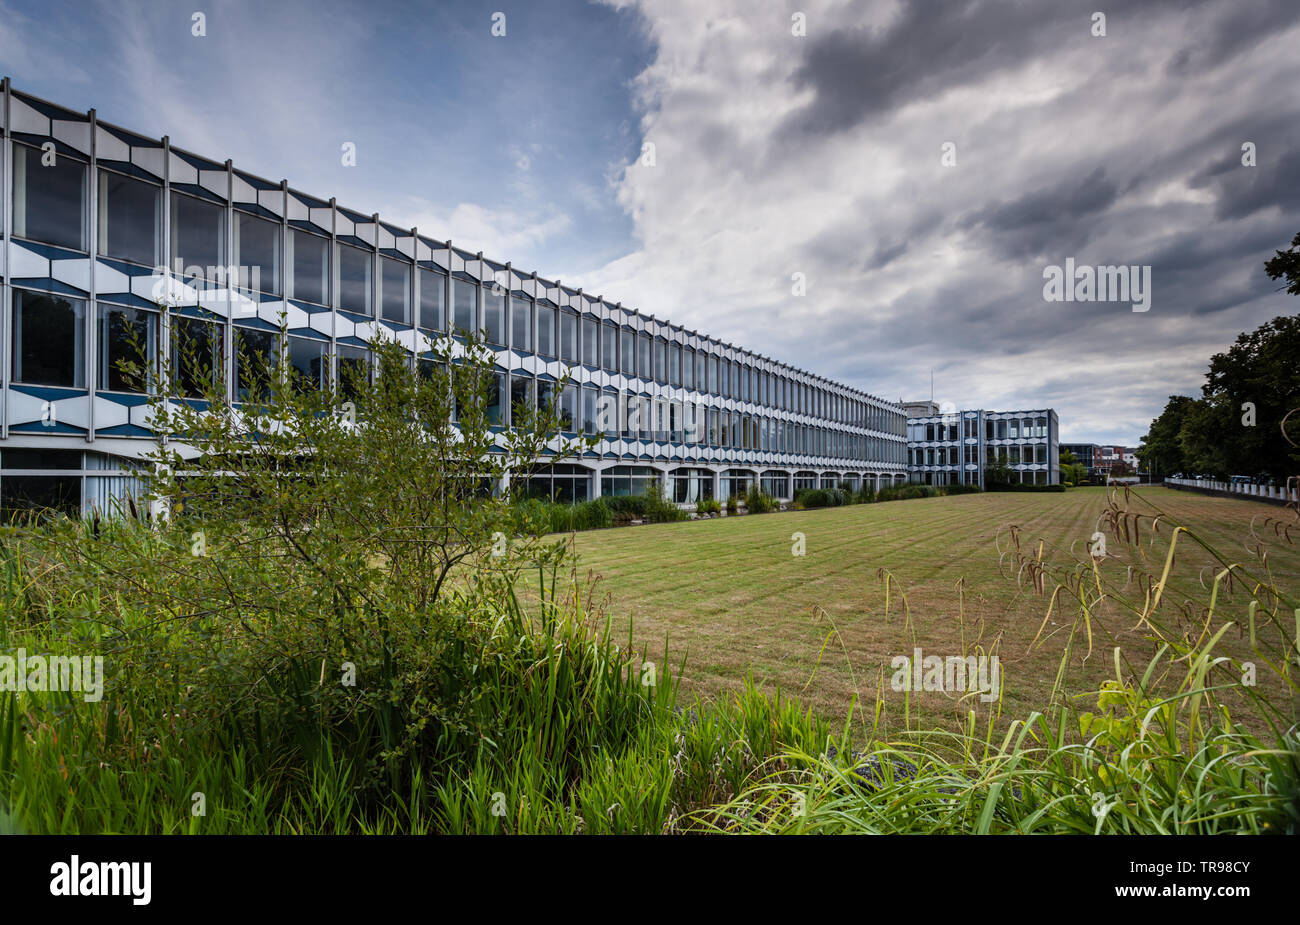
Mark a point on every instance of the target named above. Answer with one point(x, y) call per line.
point(456, 129)
point(780, 152)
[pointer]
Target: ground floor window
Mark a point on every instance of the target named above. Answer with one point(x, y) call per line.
point(68, 482)
point(775, 484)
point(561, 483)
point(736, 482)
point(622, 481)
point(691, 485)
point(22, 494)
point(805, 481)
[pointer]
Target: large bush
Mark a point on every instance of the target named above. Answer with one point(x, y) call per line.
point(758, 501)
point(822, 497)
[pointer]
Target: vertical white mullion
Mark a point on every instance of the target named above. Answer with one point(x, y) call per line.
point(228, 258)
point(376, 309)
point(415, 299)
point(92, 308)
point(284, 276)
point(480, 308)
point(165, 315)
point(333, 273)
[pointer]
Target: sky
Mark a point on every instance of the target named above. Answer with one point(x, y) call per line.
point(870, 190)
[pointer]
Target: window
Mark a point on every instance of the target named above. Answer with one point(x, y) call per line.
point(521, 325)
point(568, 346)
point(688, 368)
point(607, 413)
point(433, 300)
point(713, 375)
point(521, 398)
point(661, 360)
point(661, 421)
point(674, 364)
point(197, 353)
point(494, 406)
point(40, 492)
point(355, 267)
point(395, 290)
point(198, 235)
point(643, 356)
point(257, 249)
point(546, 331)
point(130, 219)
point(126, 335)
point(627, 354)
point(569, 338)
point(49, 202)
point(49, 340)
point(309, 259)
point(354, 369)
point(589, 410)
point(701, 360)
point(257, 356)
point(569, 411)
point(609, 347)
point(464, 306)
point(590, 342)
point(494, 315)
point(546, 397)
point(308, 362)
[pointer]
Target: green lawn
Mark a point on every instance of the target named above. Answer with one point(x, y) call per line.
point(729, 595)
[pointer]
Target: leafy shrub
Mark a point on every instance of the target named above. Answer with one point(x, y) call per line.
point(708, 506)
point(864, 495)
point(822, 497)
point(905, 492)
point(733, 505)
point(546, 517)
point(658, 509)
point(626, 507)
point(960, 489)
point(757, 501)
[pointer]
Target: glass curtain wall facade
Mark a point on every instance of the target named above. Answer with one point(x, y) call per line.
point(93, 215)
point(958, 447)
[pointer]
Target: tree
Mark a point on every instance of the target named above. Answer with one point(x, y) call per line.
point(1249, 389)
point(998, 472)
point(1236, 427)
point(1074, 473)
point(393, 470)
point(360, 527)
point(1161, 450)
point(1286, 265)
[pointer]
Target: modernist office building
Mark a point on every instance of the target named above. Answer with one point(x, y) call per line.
point(956, 447)
point(90, 211)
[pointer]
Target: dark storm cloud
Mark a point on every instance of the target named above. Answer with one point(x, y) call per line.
point(860, 72)
point(1239, 193)
point(1052, 219)
point(1232, 31)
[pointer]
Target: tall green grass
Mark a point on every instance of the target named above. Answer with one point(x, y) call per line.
point(515, 711)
